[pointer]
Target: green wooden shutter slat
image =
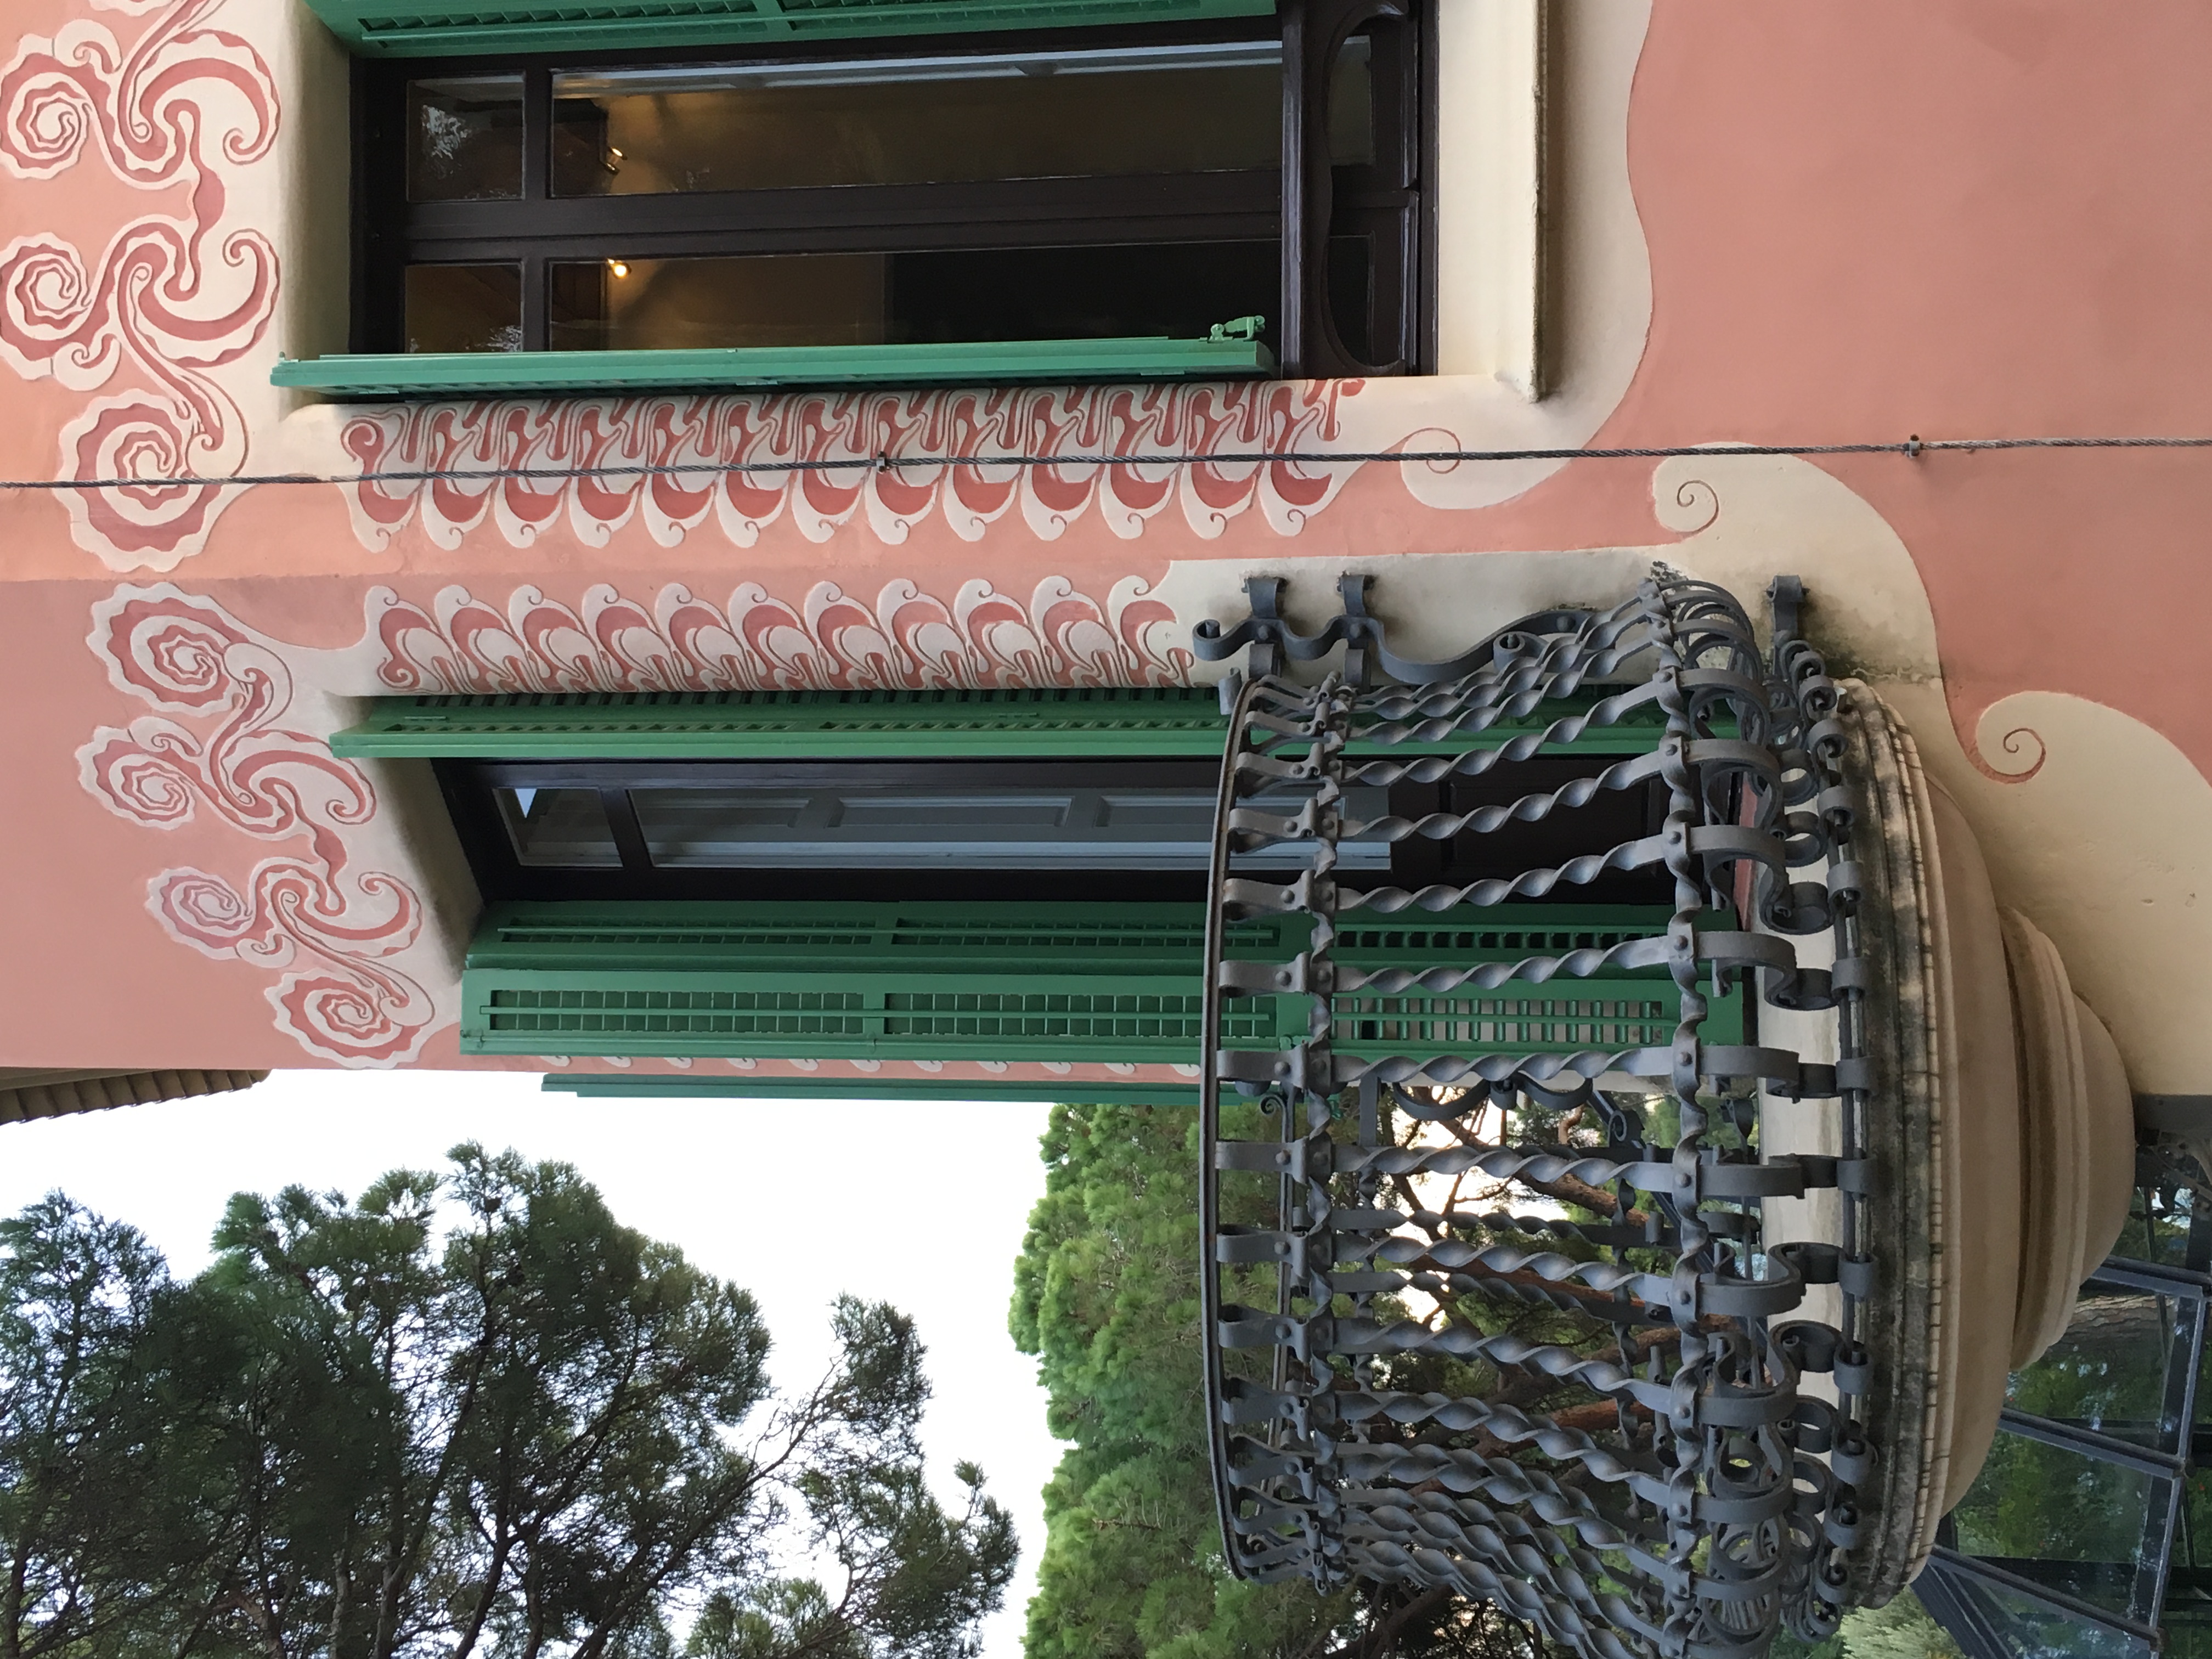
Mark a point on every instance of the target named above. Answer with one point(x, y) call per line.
point(449, 374)
point(1076, 982)
point(1158, 721)
point(394, 29)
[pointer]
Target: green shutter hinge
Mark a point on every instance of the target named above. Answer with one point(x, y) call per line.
point(1239, 328)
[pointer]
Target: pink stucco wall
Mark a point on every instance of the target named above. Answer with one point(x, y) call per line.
point(1864, 220)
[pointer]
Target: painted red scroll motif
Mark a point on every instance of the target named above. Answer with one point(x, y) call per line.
point(170, 297)
point(822, 460)
point(220, 746)
point(831, 640)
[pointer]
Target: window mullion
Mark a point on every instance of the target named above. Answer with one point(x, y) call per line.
point(537, 188)
point(536, 134)
point(1314, 31)
point(629, 836)
point(537, 312)
point(1305, 197)
point(1013, 208)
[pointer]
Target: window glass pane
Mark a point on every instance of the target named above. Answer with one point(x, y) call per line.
point(920, 826)
point(2072, 1522)
point(464, 139)
point(918, 120)
point(463, 308)
point(2110, 1371)
point(1178, 291)
point(2029, 1629)
point(2187, 1630)
point(2186, 1619)
point(2163, 1226)
point(778, 300)
point(558, 828)
point(1350, 293)
point(1352, 104)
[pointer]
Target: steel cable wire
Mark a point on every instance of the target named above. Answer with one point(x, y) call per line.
point(886, 462)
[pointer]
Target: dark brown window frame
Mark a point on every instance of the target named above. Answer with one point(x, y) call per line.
point(1386, 201)
point(469, 786)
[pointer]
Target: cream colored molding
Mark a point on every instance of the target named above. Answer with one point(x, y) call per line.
point(1594, 312)
point(2100, 830)
point(314, 187)
point(1489, 190)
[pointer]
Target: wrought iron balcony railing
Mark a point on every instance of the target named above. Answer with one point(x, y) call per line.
point(1673, 1328)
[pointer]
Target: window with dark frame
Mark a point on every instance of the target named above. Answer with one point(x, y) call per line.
point(1062, 185)
point(1132, 829)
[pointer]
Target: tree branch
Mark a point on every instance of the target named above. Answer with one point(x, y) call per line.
point(1567, 1190)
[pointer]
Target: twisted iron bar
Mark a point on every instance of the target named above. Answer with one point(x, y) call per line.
point(1734, 1513)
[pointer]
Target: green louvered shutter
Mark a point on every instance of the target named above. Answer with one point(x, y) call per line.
point(1075, 982)
point(1089, 982)
point(411, 29)
point(1635, 1009)
point(1080, 982)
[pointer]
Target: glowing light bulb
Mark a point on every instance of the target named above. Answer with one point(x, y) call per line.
point(618, 267)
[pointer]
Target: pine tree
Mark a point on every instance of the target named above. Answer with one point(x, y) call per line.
point(1106, 1294)
point(460, 1415)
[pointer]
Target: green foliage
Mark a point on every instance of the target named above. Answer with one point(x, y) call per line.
point(90, 1563)
point(1902, 1629)
point(2030, 1499)
point(784, 1616)
point(463, 1413)
point(1106, 1294)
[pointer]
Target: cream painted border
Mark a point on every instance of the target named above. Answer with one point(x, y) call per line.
point(1594, 315)
point(1489, 190)
point(310, 209)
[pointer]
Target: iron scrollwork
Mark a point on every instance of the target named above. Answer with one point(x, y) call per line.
point(1490, 1300)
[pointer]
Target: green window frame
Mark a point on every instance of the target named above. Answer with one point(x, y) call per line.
point(1165, 720)
point(500, 374)
point(1079, 721)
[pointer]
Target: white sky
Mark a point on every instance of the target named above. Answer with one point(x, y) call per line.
point(923, 1206)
